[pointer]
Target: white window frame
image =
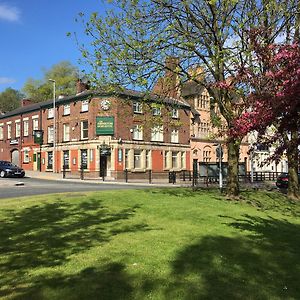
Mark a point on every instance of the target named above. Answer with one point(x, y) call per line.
point(137, 158)
point(66, 132)
point(157, 133)
point(175, 113)
point(35, 124)
point(1, 132)
point(17, 128)
point(84, 105)
point(137, 133)
point(137, 107)
point(9, 130)
point(25, 127)
point(50, 113)
point(83, 130)
point(156, 111)
point(67, 108)
point(26, 156)
point(174, 136)
point(175, 160)
point(50, 134)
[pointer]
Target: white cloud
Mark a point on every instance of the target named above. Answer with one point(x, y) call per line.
point(9, 13)
point(6, 80)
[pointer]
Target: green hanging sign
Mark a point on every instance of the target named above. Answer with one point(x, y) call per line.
point(38, 136)
point(105, 125)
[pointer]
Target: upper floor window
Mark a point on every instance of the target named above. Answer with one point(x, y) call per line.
point(35, 124)
point(157, 134)
point(156, 111)
point(9, 131)
point(174, 136)
point(25, 128)
point(50, 134)
point(50, 113)
point(1, 132)
point(85, 106)
point(84, 130)
point(66, 136)
point(66, 109)
point(137, 132)
point(175, 113)
point(207, 155)
point(137, 107)
point(18, 129)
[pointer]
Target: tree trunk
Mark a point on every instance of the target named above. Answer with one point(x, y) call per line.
point(233, 189)
point(293, 157)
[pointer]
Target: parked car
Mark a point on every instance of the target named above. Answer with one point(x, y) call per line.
point(8, 169)
point(283, 180)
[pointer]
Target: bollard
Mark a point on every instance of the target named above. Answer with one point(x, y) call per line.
point(126, 175)
point(150, 176)
point(64, 171)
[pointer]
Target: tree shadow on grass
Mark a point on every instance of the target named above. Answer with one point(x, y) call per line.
point(47, 235)
point(264, 263)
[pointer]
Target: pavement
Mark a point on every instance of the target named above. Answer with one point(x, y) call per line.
point(59, 177)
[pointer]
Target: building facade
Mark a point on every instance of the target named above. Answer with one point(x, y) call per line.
point(101, 133)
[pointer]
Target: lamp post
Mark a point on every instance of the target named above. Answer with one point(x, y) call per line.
point(54, 125)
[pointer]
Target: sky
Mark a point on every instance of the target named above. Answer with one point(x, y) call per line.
point(33, 37)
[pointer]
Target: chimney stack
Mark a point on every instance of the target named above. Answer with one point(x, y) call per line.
point(25, 102)
point(81, 86)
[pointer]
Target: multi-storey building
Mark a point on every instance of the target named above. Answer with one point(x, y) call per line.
point(102, 133)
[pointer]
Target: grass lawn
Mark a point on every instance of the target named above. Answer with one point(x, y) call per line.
point(150, 244)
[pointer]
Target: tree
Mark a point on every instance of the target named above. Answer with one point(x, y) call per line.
point(129, 47)
point(65, 75)
point(10, 100)
point(275, 103)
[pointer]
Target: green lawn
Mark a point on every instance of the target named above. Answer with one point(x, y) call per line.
point(151, 244)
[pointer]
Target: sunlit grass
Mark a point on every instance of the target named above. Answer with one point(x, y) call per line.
point(152, 244)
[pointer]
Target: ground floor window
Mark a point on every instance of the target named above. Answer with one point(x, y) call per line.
point(84, 158)
point(49, 160)
point(26, 156)
point(137, 159)
point(66, 159)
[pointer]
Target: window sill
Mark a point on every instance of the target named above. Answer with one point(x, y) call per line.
point(138, 170)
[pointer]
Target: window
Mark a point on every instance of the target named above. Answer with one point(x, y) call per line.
point(166, 159)
point(183, 156)
point(206, 155)
point(85, 106)
point(9, 131)
point(35, 124)
point(137, 107)
point(156, 111)
point(148, 159)
point(84, 158)
point(137, 159)
point(18, 129)
point(66, 109)
point(25, 128)
point(84, 130)
point(66, 159)
point(174, 136)
point(1, 132)
point(157, 134)
point(66, 136)
point(50, 113)
point(174, 159)
point(26, 156)
point(137, 132)
point(50, 134)
point(50, 160)
point(126, 158)
point(174, 113)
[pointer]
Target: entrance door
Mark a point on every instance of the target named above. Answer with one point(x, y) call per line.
point(15, 157)
point(38, 160)
point(103, 165)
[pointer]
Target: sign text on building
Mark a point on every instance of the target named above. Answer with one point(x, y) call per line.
point(105, 125)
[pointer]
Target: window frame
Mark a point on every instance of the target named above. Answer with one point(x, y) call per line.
point(157, 133)
point(84, 106)
point(84, 130)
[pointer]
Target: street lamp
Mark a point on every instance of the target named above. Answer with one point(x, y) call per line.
point(54, 125)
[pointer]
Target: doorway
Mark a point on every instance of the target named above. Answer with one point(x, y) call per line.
point(15, 157)
point(103, 165)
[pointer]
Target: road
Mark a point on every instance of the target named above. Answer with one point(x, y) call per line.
point(9, 187)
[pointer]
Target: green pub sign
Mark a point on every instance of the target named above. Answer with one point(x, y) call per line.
point(105, 125)
point(38, 136)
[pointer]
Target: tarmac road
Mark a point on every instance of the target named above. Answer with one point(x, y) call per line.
point(9, 187)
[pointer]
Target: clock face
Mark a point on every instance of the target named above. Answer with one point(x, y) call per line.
point(105, 104)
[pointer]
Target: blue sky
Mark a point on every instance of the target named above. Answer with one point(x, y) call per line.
point(33, 36)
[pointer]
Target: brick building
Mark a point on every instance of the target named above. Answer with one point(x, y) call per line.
point(103, 133)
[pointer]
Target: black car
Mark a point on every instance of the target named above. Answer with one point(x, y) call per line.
point(283, 180)
point(8, 169)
